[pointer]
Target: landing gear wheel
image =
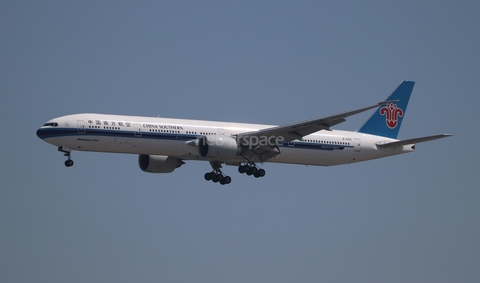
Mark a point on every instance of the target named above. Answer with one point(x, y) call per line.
point(225, 180)
point(69, 163)
point(261, 172)
point(242, 169)
point(208, 176)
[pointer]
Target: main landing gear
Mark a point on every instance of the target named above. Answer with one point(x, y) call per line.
point(217, 175)
point(251, 169)
point(66, 151)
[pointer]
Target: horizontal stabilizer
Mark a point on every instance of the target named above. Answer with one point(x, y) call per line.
point(412, 141)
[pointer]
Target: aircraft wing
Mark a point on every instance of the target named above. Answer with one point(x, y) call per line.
point(298, 130)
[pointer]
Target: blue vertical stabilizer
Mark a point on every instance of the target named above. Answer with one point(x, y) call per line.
point(386, 121)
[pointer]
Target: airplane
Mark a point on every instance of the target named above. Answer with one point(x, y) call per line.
point(164, 145)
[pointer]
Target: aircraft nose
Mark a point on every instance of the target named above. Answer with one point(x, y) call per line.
point(41, 133)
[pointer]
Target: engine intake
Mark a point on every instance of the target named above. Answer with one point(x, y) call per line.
point(158, 163)
point(218, 147)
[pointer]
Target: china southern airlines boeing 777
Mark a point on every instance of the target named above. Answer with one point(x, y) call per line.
point(164, 144)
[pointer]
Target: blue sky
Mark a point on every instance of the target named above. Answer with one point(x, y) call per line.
point(409, 218)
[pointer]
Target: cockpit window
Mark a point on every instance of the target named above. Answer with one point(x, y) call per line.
point(51, 124)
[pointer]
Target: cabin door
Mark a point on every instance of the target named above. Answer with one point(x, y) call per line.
point(81, 126)
point(137, 128)
point(357, 145)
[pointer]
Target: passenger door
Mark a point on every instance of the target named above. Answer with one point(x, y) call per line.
point(137, 130)
point(81, 127)
point(357, 145)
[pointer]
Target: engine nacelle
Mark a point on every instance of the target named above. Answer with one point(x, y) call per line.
point(218, 147)
point(158, 163)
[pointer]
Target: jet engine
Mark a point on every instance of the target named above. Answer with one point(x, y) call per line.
point(218, 147)
point(158, 163)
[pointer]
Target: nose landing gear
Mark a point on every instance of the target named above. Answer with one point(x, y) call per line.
point(67, 151)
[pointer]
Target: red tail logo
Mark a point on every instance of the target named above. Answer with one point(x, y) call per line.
point(392, 113)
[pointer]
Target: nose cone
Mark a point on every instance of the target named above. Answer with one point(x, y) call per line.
point(41, 133)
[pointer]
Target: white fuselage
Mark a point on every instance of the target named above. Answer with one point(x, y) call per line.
point(174, 137)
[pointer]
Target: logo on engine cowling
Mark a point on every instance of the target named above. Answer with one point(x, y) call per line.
point(392, 112)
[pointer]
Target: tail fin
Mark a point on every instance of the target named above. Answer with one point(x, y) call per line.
point(386, 121)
